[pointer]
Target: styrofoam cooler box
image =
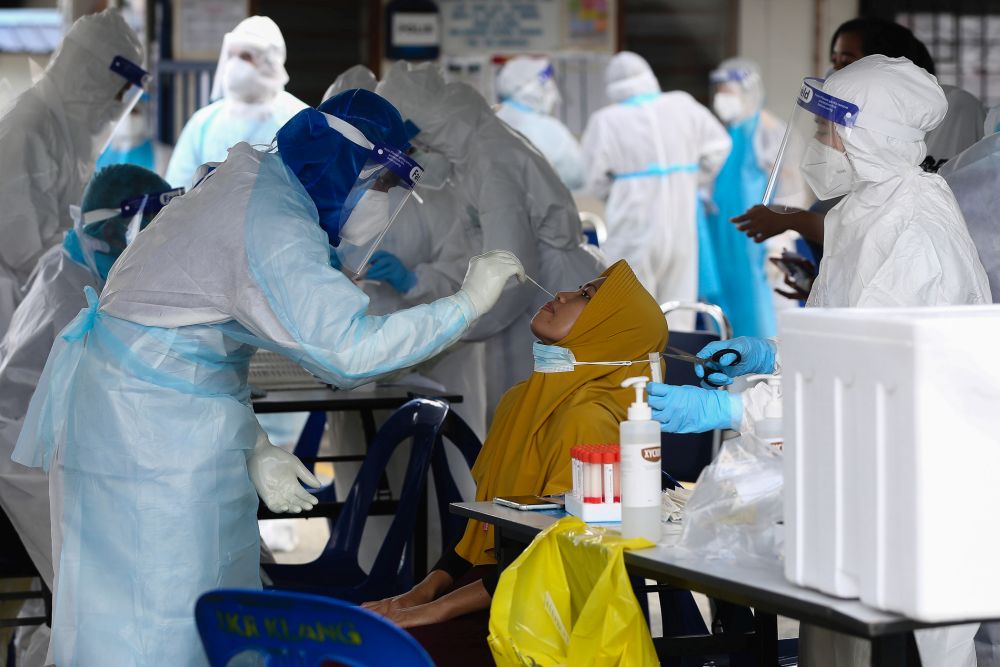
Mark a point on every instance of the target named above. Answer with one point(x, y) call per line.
point(892, 457)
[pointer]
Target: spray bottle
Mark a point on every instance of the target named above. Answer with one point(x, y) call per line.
point(639, 437)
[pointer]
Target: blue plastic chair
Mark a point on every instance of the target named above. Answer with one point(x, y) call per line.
point(299, 630)
point(458, 433)
point(307, 449)
point(336, 572)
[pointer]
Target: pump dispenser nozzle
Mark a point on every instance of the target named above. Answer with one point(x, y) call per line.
point(638, 411)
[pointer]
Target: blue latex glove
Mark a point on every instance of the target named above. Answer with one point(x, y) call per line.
point(758, 357)
point(386, 267)
point(689, 409)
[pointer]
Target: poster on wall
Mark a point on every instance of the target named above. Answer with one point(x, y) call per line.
point(588, 24)
point(199, 26)
point(500, 25)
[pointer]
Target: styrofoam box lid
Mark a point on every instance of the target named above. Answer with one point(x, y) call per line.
point(938, 324)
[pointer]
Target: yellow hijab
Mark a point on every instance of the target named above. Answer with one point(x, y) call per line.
point(539, 420)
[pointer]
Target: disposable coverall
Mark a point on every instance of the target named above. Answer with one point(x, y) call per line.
point(646, 155)
point(253, 102)
point(737, 263)
point(50, 138)
point(974, 176)
point(528, 95)
point(898, 238)
point(357, 76)
point(155, 515)
point(518, 203)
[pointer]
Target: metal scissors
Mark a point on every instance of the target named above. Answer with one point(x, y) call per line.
point(711, 365)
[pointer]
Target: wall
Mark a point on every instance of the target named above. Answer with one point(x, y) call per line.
point(781, 35)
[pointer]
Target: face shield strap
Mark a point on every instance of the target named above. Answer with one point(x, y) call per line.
point(150, 203)
point(129, 71)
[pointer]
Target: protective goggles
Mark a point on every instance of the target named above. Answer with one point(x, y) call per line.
point(384, 185)
point(811, 141)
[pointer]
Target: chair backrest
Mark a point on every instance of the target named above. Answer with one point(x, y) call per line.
point(706, 310)
point(307, 449)
point(297, 629)
point(683, 455)
point(594, 228)
point(421, 420)
point(458, 433)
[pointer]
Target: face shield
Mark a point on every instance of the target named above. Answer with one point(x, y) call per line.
point(103, 234)
point(730, 95)
point(133, 79)
point(811, 161)
point(384, 185)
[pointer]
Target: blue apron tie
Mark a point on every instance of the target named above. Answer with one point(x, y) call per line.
point(84, 321)
point(656, 170)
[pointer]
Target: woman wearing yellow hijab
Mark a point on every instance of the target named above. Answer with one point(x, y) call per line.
point(612, 318)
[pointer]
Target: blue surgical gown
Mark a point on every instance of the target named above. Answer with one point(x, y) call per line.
point(144, 412)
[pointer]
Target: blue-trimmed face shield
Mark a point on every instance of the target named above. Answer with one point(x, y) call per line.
point(104, 233)
point(811, 161)
point(134, 81)
point(383, 186)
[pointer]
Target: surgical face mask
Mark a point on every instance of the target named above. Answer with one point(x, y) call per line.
point(368, 218)
point(242, 81)
point(436, 166)
point(826, 170)
point(728, 106)
point(556, 359)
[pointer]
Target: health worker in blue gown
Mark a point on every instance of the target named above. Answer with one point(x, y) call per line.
point(731, 271)
point(143, 411)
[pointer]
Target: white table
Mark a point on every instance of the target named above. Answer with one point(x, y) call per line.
point(758, 584)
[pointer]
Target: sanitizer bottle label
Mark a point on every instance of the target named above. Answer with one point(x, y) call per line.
point(641, 466)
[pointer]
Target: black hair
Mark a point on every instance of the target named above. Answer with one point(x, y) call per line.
point(887, 38)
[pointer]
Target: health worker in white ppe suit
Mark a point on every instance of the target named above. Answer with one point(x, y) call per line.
point(154, 515)
point(646, 156)
point(528, 96)
point(51, 136)
point(118, 199)
point(897, 239)
point(517, 201)
point(249, 101)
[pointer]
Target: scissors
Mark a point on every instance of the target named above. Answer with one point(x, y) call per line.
point(711, 365)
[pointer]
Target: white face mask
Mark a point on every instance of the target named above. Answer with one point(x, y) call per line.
point(242, 81)
point(368, 218)
point(827, 171)
point(728, 106)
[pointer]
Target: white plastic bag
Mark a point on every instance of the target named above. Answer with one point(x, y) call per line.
point(736, 507)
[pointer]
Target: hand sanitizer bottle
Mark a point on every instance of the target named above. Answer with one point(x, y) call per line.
point(639, 437)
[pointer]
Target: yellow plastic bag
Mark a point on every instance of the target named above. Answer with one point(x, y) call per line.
point(567, 601)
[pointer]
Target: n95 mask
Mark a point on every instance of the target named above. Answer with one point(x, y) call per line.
point(242, 81)
point(727, 106)
point(827, 171)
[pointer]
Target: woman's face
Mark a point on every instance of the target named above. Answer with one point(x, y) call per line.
point(846, 49)
point(554, 320)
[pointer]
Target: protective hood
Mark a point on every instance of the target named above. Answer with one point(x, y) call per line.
point(80, 74)
point(528, 82)
point(447, 115)
point(898, 104)
point(358, 76)
point(628, 74)
point(260, 81)
point(740, 77)
point(325, 161)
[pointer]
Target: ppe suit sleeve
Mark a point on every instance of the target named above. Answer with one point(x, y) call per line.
point(443, 274)
point(322, 311)
point(715, 145)
point(506, 225)
point(30, 195)
point(895, 283)
point(597, 156)
point(187, 155)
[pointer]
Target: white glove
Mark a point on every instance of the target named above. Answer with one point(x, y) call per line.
point(275, 474)
point(487, 275)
